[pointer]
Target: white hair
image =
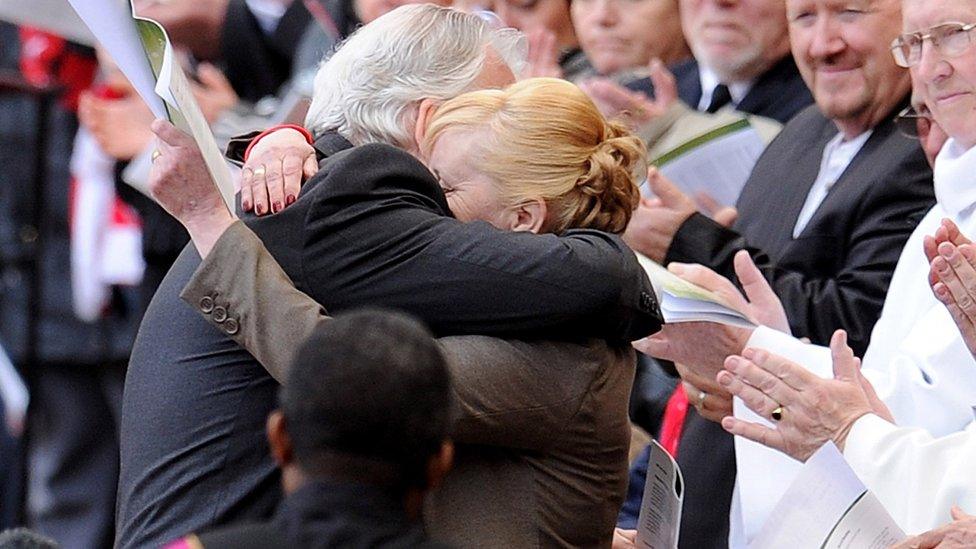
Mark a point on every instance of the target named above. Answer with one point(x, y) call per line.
point(369, 89)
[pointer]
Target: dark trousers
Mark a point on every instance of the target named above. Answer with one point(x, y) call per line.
point(73, 453)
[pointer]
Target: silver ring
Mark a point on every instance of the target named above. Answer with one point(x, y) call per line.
point(259, 171)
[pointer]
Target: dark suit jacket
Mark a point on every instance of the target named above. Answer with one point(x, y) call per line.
point(779, 93)
point(835, 274)
point(257, 64)
point(369, 229)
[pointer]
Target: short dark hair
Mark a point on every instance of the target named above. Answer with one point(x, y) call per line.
point(22, 538)
point(370, 383)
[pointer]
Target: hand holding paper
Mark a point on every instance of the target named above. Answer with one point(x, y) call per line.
point(179, 182)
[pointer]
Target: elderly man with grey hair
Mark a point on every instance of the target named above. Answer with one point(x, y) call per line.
point(373, 228)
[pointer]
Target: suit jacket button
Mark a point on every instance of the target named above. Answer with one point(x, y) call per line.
point(206, 304)
point(231, 326)
point(219, 314)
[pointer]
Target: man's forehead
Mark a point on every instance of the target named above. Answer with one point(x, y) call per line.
point(792, 5)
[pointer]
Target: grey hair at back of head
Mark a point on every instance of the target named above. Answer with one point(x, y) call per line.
point(368, 90)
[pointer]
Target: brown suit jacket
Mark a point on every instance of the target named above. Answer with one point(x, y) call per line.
point(542, 432)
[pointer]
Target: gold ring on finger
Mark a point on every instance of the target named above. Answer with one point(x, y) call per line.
point(701, 398)
point(259, 171)
point(155, 154)
point(777, 413)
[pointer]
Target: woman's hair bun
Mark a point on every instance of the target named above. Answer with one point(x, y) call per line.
point(609, 183)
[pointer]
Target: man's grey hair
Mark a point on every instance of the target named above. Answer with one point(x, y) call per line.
point(368, 91)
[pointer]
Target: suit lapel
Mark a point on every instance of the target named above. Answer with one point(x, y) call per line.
point(874, 152)
point(689, 83)
point(768, 87)
point(807, 169)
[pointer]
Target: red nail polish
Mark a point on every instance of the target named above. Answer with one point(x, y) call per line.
point(246, 205)
point(290, 199)
point(277, 207)
point(260, 209)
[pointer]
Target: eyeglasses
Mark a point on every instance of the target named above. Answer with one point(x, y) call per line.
point(912, 123)
point(949, 39)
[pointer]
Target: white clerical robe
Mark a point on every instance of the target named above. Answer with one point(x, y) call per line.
point(916, 360)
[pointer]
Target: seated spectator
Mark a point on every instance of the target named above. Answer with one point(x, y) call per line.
point(615, 38)
point(360, 436)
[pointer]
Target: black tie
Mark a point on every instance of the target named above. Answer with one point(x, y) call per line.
point(720, 98)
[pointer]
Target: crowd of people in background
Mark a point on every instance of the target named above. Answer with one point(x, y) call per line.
point(424, 324)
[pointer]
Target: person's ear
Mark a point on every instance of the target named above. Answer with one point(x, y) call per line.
point(439, 464)
point(279, 439)
point(529, 216)
point(425, 111)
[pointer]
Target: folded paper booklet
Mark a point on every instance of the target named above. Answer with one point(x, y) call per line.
point(660, 514)
point(143, 52)
point(682, 301)
point(828, 507)
point(716, 163)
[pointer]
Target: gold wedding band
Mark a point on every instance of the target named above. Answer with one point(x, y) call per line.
point(155, 154)
point(777, 413)
point(701, 398)
point(259, 171)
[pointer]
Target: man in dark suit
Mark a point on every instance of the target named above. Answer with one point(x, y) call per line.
point(741, 60)
point(192, 448)
point(361, 434)
point(824, 215)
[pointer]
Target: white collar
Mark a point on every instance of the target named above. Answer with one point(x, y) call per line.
point(955, 177)
point(709, 79)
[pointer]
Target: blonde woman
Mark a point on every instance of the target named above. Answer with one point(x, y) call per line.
point(542, 435)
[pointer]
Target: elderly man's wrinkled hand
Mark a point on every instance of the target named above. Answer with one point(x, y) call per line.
point(181, 184)
point(272, 176)
point(657, 220)
point(760, 303)
point(952, 276)
point(700, 346)
point(807, 410)
point(958, 534)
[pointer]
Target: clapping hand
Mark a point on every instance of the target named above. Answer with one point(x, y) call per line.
point(952, 276)
point(632, 107)
point(807, 410)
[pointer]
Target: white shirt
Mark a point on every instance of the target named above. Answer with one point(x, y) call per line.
point(267, 12)
point(709, 79)
point(917, 360)
point(837, 156)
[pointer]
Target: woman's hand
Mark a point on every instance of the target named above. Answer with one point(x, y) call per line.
point(633, 107)
point(272, 176)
